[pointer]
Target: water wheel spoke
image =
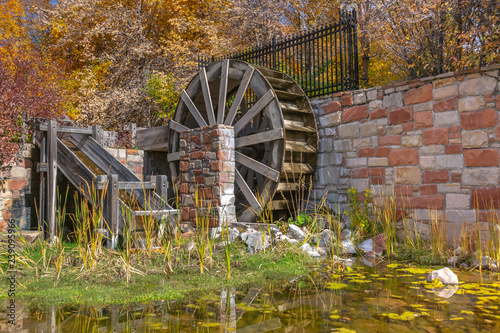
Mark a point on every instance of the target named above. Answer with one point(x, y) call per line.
point(193, 109)
point(257, 166)
point(176, 126)
point(247, 192)
point(206, 95)
point(250, 177)
point(240, 95)
point(254, 110)
point(224, 75)
point(259, 138)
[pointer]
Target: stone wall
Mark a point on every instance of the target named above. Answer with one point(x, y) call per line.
point(432, 142)
point(207, 175)
point(20, 184)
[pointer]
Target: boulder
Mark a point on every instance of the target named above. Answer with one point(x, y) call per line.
point(254, 242)
point(295, 232)
point(325, 238)
point(306, 247)
point(346, 233)
point(233, 235)
point(486, 262)
point(348, 246)
point(366, 246)
point(445, 275)
point(313, 254)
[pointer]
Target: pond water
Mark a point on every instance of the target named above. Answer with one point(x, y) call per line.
point(382, 298)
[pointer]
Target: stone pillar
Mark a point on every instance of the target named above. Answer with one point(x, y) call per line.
point(207, 167)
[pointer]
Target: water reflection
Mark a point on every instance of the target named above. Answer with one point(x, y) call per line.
point(392, 298)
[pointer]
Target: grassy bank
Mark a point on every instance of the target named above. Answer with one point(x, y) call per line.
point(56, 275)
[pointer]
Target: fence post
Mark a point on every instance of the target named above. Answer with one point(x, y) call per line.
point(52, 177)
point(356, 68)
point(274, 52)
point(112, 211)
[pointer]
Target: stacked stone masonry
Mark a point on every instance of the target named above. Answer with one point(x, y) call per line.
point(433, 143)
point(206, 172)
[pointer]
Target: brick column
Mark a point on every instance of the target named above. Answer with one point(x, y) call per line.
point(207, 166)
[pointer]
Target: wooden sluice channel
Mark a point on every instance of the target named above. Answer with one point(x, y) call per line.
point(78, 154)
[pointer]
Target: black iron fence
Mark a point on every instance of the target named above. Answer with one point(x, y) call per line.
point(321, 61)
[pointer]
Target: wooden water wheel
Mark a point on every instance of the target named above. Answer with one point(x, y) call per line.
point(275, 132)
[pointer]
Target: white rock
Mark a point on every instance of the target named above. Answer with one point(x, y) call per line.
point(306, 247)
point(313, 253)
point(326, 237)
point(347, 246)
point(445, 275)
point(254, 242)
point(295, 232)
point(346, 233)
point(367, 245)
point(486, 262)
point(293, 241)
point(323, 250)
point(447, 291)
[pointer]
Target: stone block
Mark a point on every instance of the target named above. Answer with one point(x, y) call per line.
point(485, 198)
point(418, 95)
point(447, 118)
point(481, 157)
point(360, 184)
point(393, 100)
point(444, 82)
point(331, 119)
point(432, 150)
point(342, 145)
point(483, 85)
point(436, 136)
point(380, 113)
point(460, 216)
point(356, 162)
point(400, 115)
point(367, 129)
point(403, 156)
point(449, 161)
point(423, 119)
point(392, 130)
point(457, 201)
point(479, 119)
point(427, 106)
point(331, 107)
point(378, 161)
point(481, 177)
point(427, 162)
point(359, 98)
point(449, 104)
point(363, 142)
point(449, 187)
point(371, 94)
point(348, 131)
point(355, 113)
point(408, 175)
point(376, 104)
point(393, 140)
point(435, 176)
point(411, 141)
point(18, 172)
point(445, 92)
point(471, 103)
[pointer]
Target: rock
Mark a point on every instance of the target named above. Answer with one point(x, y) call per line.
point(379, 244)
point(348, 246)
point(447, 291)
point(254, 242)
point(323, 250)
point(293, 241)
point(346, 233)
point(452, 261)
point(295, 232)
point(367, 262)
point(306, 247)
point(366, 246)
point(445, 275)
point(326, 237)
point(233, 235)
point(313, 254)
point(275, 231)
point(244, 235)
point(486, 262)
point(282, 238)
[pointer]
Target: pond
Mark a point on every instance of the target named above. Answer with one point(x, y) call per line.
point(382, 298)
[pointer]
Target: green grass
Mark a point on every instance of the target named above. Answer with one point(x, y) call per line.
point(105, 283)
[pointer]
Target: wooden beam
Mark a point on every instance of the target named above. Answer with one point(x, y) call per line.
point(259, 138)
point(257, 166)
point(43, 185)
point(153, 138)
point(206, 95)
point(177, 127)
point(240, 94)
point(97, 133)
point(51, 177)
point(111, 210)
point(254, 110)
point(247, 192)
point(224, 75)
point(193, 109)
point(68, 129)
point(174, 156)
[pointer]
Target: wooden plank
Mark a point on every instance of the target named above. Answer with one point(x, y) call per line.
point(162, 186)
point(278, 204)
point(224, 75)
point(174, 156)
point(254, 110)
point(240, 94)
point(247, 192)
point(193, 109)
point(177, 126)
point(287, 187)
point(52, 177)
point(111, 211)
point(74, 169)
point(297, 168)
point(259, 138)
point(43, 185)
point(153, 138)
point(206, 95)
point(257, 166)
point(97, 133)
point(301, 147)
point(68, 129)
point(130, 186)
